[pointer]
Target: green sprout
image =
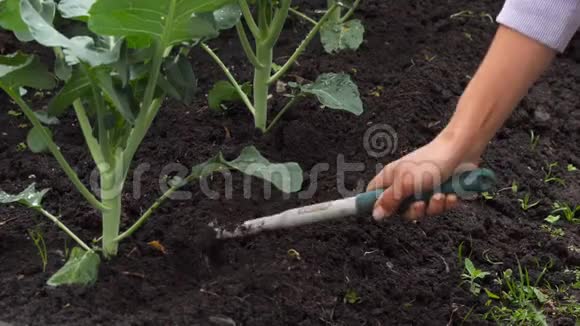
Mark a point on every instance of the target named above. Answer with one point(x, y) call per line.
point(554, 232)
point(571, 168)
point(471, 275)
point(526, 202)
point(566, 211)
point(550, 176)
point(38, 239)
point(534, 140)
point(352, 297)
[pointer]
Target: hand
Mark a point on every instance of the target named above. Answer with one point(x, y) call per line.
point(421, 171)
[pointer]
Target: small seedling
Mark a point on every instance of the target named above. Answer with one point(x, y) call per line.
point(21, 147)
point(293, 253)
point(571, 168)
point(550, 176)
point(554, 232)
point(487, 196)
point(534, 140)
point(38, 239)
point(526, 202)
point(351, 297)
point(13, 113)
point(518, 303)
point(471, 275)
point(514, 187)
point(566, 211)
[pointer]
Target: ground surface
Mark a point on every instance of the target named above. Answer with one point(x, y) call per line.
point(403, 273)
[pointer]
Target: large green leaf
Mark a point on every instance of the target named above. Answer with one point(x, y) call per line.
point(77, 9)
point(20, 70)
point(336, 91)
point(168, 21)
point(10, 17)
point(77, 86)
point(78, 48)
point(180, 79)
point(227, 16)
point(35, 140)
point(342, 36)
point(224, 91)
point(287, 176)
point(29, 197)
point(82, 268)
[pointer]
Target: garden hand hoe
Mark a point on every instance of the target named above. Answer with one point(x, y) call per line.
point(476, 181)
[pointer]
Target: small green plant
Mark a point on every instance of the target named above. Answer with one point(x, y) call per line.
point(334, 91)
point(564, 210)
point(471, 275)
point(38, 239)
point(526, 202)
point(555, 232)
point(518, 303)
point(534, 140)
point(352, 297)
point(550, 176)
point(571, 168)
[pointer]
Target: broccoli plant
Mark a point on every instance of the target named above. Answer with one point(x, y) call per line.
point(116, 77)
point(265, 24)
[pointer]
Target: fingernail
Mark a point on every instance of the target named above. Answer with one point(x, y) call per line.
point(379, 213)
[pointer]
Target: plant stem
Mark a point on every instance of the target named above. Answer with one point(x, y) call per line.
point(154, 207)
point(278, 23)
point(53, 148)
point(350, 12)
point(246, 45)
point(303, 16)
point(153, 76)
point(288, 106)
point(230, 77)
point(303, 45)
point(250, 19)
point(261, 87)
point(63, 227)
point(335, 17)
point(111, 196)
point(92, 143)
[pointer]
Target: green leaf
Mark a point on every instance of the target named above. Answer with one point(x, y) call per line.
point(470, 267)
point(224, 91)
point(336, 91)
point(77, 9)
point(18, 70)
point(29, 197)
point(286, 177)
point(10, 17)
point(169, 22)
point(45, 119)
point(227, 16)
point(571, 168)
point(77, 86)
point(35, 140)
point(352, 297)
point(491, 295)
point(61, 69)
point(552, 219)
point(342, 36)
point(78, 48)
point(120, 97)
point(180, 75)
point(542, 298)
point(82, 268)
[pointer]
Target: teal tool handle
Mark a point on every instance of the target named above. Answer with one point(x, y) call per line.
point(470, 182)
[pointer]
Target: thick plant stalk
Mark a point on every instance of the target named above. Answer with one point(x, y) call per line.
point(111, 196)
point(261, 86)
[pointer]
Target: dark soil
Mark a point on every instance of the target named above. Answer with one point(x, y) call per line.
point(404, 273)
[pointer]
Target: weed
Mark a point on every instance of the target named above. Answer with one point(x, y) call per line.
point(526, 204)
point(534, 140)
point(38, 239)
point(550, 176)
point(566, 211)
point(471, 275)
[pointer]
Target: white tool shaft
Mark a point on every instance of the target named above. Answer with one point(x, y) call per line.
point(295, 217)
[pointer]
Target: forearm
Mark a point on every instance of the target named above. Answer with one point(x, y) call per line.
point(512, 65)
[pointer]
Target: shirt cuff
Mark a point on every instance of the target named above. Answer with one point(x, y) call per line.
point(550, 22)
